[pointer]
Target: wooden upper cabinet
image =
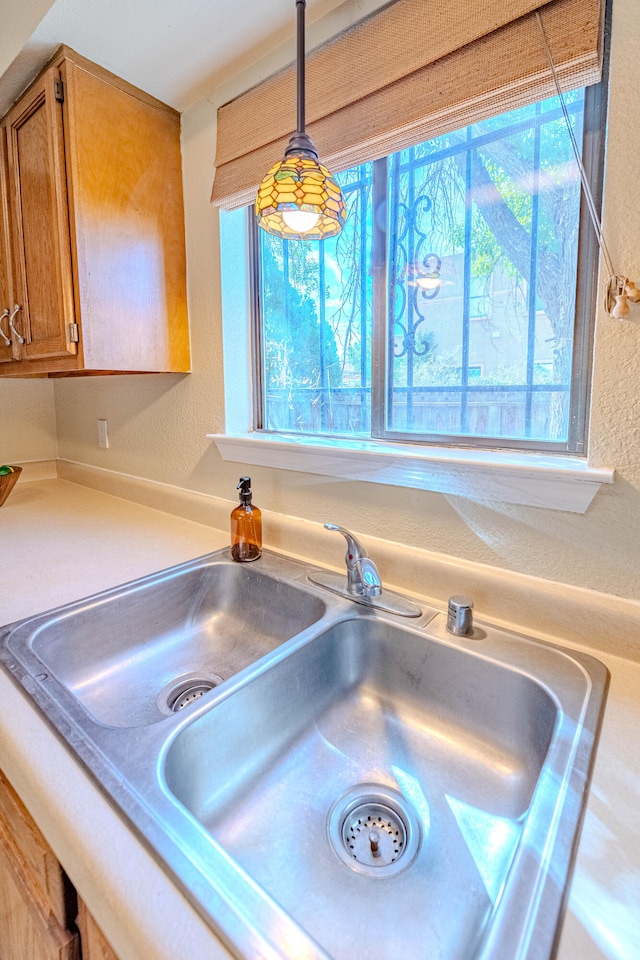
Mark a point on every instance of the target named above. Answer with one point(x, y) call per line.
point(97, 226)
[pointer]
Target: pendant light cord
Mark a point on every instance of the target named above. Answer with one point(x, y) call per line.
point(593, 213)
point(300, 8)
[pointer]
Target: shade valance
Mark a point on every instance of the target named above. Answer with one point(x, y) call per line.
point(409, 72)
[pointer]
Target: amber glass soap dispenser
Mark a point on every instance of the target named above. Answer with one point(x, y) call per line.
point(246, 526)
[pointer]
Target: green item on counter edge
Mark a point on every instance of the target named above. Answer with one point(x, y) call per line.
point(4, 470)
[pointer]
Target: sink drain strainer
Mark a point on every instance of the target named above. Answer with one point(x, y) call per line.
point(181, 693)
point(374, 831)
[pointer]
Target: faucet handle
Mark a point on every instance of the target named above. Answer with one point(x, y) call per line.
point(355, 550)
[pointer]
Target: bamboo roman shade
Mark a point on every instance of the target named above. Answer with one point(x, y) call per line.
point(411, 71)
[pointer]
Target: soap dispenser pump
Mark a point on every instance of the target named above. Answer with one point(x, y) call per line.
point(246, 526)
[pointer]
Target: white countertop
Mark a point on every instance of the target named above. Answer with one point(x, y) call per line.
point(62, 541)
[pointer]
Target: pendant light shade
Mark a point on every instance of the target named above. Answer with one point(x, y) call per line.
point(299, 199)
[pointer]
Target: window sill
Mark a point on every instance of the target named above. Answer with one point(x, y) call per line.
point(557, 483)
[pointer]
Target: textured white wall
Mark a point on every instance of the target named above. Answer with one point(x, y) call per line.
point(27, 420)
point(158, 424)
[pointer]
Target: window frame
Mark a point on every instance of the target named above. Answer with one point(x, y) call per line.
point(594, 120)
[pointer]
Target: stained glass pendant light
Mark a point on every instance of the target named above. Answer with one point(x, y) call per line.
point(299, 199)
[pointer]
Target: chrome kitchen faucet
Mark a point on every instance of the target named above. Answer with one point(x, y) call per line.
point(364, 584)
point(363, 579)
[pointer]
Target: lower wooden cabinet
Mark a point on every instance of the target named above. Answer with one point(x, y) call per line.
point(41, 916)
point(26, 929)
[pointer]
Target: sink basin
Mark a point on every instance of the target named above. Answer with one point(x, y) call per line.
point(135, 654)
point(322, 780)
point(454, 760)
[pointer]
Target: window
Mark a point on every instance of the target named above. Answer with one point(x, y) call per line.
point(452, 307)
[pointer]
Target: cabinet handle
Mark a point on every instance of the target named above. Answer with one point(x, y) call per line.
point(11, 326)
point(5, 338)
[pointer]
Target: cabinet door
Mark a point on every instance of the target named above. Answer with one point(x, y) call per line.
point(27, 846)
point(94, 943)
point(127, 224)
point(40, 222)
point(6, 351)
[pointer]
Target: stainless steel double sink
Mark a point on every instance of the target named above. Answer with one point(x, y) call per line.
point(321, 779)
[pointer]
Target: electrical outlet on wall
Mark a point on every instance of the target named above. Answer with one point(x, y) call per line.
point(103, 436)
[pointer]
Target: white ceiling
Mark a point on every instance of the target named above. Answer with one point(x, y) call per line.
point(177, 50)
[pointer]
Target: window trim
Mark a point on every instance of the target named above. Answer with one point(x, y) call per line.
point(492, 476)
point(507, 477)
